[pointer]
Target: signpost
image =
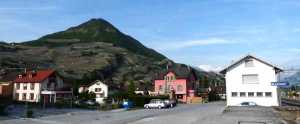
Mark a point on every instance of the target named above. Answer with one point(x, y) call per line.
point(280, 84)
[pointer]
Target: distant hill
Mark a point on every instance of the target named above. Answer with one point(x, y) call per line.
point(92, 50)
point(293, 79)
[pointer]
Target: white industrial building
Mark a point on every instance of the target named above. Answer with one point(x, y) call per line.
point(249, 80)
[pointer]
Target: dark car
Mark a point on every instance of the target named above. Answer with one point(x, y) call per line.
point(170, 103)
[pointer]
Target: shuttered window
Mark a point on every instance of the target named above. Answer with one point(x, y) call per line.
point(250, 79)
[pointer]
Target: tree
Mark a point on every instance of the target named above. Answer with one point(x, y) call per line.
point(87, 95)
point(131, 88)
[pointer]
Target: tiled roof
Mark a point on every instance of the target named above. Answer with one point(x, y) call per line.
point(181, 72)
point(37, 76)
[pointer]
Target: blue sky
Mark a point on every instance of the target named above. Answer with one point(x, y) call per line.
point(210, 33)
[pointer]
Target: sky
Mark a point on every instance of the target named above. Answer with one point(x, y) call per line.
point(203, 33)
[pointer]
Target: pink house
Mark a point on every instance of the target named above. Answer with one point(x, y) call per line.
point(182, 83)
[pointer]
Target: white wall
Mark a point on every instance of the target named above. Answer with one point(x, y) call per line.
point(35, 91)
point(38, 87)
point(266, 75)
point(104, 90)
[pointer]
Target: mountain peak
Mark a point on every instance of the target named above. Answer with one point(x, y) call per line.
point(95, 25)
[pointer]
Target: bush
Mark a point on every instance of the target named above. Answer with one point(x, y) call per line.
point(105, 107)
point(212, 96)
point(87, 95)
point(115, 106)
point(2, 110)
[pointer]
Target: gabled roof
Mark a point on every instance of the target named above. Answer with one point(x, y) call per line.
point(37, 76)
point(92, 83)
point(248, 57)
point(181, 72)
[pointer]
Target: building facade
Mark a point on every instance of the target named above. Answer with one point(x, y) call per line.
point(6, 89)
point(249, 80)
point(182, 85)
point(97, 87)
point(40, 86)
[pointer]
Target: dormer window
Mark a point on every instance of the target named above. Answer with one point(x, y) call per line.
point(20, 76)
point(249, 63)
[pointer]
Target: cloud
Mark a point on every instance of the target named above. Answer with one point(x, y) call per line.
point(193, 43)
point(295, 50)
point(210, 68)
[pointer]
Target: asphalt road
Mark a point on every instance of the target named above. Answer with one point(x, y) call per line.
point(209, 113)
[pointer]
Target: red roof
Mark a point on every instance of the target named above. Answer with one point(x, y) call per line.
point(37, 77)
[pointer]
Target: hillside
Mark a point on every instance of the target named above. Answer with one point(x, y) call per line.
point(293, 79)
point(89, 51)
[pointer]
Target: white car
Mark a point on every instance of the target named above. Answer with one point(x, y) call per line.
point(156, 103)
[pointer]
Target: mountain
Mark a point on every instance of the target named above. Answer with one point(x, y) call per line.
point(293, 79)
point(92, 50)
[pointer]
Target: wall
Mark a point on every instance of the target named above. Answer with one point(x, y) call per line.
point(6, 89)
point(266, 76)
point(104, 90)
point(36, 92)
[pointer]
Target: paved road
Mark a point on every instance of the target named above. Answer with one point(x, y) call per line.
point(210, 113)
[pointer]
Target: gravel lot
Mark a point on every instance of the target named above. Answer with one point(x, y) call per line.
point(210, 113)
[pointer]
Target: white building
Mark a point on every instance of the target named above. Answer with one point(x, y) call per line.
point(97, 87)
point(40, 86)
point(249, 80)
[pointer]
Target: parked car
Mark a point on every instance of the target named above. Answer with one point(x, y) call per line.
point(248, 104)
point(156, 103)
point(170, 103)
point(90, 102)
point(78, 102)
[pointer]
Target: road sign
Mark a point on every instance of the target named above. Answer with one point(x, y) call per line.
point(280, 84)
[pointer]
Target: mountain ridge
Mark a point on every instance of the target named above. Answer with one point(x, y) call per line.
point(93, 50)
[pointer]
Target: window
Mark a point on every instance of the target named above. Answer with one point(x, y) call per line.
point(259, 94)
point(18, 86)
point(160, 87)
point(32, 86)
point(17, 96)
point(97, 89)
point(31, 96)
point(48, 85)
point(250, 79)
point(268, 94)
point(24, 96)
point(234, 94)
point(250, 94)
point(179, 88)
point(169, 88)
point(24, 86)
point(249, 63)
point(242, 94)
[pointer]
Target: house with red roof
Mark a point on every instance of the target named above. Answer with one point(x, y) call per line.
point(180, 82)
point(40, 86)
